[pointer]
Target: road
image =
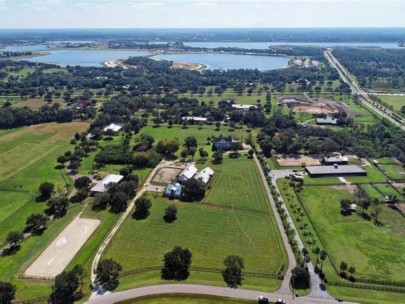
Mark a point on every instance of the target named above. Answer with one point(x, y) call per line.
point(204, 290)
point(365, 99)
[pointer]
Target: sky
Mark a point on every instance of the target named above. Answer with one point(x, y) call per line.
point(200, 13)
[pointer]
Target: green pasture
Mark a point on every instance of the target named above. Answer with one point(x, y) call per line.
point(397, 102)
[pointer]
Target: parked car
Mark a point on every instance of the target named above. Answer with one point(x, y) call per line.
point(263, 300)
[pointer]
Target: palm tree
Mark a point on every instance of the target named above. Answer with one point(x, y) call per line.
point(322, 255)
point(317, 251)
point(352, 270)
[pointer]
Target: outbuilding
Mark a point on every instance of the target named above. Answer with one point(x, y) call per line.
point(174, 190)
point(101, 186)
point(187, 173)
point(335, 170)
point(205, 175)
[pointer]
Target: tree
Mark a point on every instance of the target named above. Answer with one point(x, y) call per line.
point(14, 239)
point(62, 159)
point(190, 142)
point(36, 222)
point(352, 270)
point(176, 264)
point(202, 152)
point(343, 267)
point(66, 284)
point(322, 256)
point(250, 153)
point(233, 272)
point(58, 205)
point(82, 184)
point(7, 292)
point(300, 278)
point(193, 190)
point(107, 273)
point(170, 214)
point(74, 165)
point(142, 206)
point(80, 273)
point(45, 190)
point(217, 157)
point(345, 206)
point(376, 209)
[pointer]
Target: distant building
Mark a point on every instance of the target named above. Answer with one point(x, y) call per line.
point(242, 107)
point(101, 186)
point(187, 173)
point(174, 190)
point(224, 143)
point(335, 170)
point(326, 121)
point(195, 118)
point(339, 159)
point(205, 175)
point(113, 127)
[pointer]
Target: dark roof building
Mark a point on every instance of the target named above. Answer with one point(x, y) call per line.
point(335, 170)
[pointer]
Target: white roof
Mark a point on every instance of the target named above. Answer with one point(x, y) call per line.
point(242, 107)
point(188, 173)
point(113, 127)
point(101, 185)
point(196, 118)
point(336, 159)
point(205, 174)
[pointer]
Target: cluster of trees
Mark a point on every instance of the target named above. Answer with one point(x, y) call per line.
point(374, 68)
point(7, 292)
point(17, 117)
point(284, 135)
point(9, 54)
point(344, 268)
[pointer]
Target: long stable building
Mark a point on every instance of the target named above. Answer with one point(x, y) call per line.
point(336, 170)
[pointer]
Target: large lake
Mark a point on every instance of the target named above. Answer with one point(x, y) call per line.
point(84, 57)
point(265, 45)
point(230, 61)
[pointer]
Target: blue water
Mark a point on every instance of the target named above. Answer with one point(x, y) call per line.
point(84, 57)
point(265, 45)
point(230, 61)
point(19, 48)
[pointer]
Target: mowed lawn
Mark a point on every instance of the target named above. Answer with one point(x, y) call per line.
point(397, 102)
point(186, 299)
point(237, 184)
point(375, 251)
point(210, 232)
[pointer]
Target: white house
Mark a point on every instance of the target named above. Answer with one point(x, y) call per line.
point(187, 173)
point(205, 175)
point(224, 143)
point(113, 127)
point(195, 118)
point(101, 186)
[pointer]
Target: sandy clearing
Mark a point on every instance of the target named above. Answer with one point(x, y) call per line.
point(297, 160)
point(165, 175)
point(54, 259)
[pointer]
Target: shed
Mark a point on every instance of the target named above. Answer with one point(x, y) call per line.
point(187, 173)
point(205, 175)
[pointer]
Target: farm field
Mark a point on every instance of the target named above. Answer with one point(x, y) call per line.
point(28, 158)
point(371, 192)
point(374, 250)
point(186, 299)
point(395, 101)
point(395, 172)
point(201, 228)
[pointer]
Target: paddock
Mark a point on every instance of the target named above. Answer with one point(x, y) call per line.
point(54, 259)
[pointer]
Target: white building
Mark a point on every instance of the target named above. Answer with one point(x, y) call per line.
point(195, 118)
point(187, 173)
point(242, 107)
point(205, 175)
point(113, 127)
point(101, 186)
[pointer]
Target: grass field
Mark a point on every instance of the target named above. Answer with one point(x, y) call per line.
point(395, 172)
point(186, 299)
point(395, 101)
point(210, 232)
point(387, 189)
point(375, 251)
point(371, 192)
point(373, 176)
point(28, 158)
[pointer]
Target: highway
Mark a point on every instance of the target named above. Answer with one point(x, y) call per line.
point(363, 96)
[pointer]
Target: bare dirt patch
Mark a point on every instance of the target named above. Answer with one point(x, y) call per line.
point(297, 160)
point(165, 175)
point(54, 259)
point(349, 188)
point(399, 186)
point(321, 105)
